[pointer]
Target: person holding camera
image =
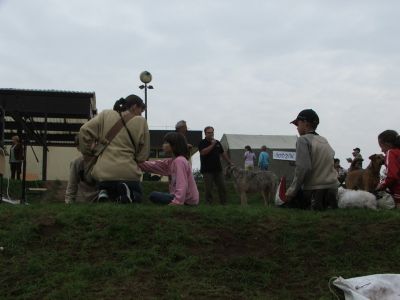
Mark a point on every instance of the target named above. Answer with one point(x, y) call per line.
point(210, 165)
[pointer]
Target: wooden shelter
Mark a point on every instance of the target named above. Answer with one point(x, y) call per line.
point(44, 117)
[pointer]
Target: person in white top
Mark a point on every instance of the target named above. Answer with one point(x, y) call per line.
point(249, 158)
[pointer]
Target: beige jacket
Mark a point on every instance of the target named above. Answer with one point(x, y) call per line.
point(120, 158)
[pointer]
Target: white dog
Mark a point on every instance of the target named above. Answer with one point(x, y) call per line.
point(356, 199)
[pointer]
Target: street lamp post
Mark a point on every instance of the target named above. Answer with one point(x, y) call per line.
point(145, 77)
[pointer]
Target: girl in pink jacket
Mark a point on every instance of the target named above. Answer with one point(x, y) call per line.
point(389, 141)
point(182, 186)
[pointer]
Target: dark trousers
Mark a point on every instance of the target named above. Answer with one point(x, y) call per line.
point(218, 179)
point(16, 170)
point(161, 198)
point(315, 199)
point(115, 190)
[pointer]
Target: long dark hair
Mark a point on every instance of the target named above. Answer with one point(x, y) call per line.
point(390, 137)
point(124, 104)
point(248, 148)
point(178, 144)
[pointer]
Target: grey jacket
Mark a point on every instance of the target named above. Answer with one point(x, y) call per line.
point(314, 165)
point(78, 190)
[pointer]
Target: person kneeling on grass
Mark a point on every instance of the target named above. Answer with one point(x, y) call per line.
point(182, 186)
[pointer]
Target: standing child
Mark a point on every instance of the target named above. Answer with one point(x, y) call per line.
point(263, 159)
point(182, 187)
point(389, 141)
point(249, 158)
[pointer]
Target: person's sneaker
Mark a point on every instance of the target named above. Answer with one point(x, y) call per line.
point(103, 196)
point(124, 193)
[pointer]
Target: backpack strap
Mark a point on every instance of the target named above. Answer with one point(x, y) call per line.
point(118, 126)
point(100, 147)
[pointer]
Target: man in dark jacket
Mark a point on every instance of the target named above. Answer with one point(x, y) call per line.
point(211, 168)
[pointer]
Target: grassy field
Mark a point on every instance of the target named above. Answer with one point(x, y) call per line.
point(109, 251)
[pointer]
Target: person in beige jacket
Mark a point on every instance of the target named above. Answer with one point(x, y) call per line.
point(116, 169)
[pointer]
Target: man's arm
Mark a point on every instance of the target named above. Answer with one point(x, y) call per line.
point(89, 134)
point(208, 149)
point(226, 158)
point(303, 166)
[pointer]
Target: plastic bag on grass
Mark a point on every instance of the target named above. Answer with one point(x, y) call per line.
point(372, 287)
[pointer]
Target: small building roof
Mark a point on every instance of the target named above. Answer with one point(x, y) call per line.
point(239, 141)
point(52, 117)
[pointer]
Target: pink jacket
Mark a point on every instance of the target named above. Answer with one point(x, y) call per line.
point(182, 184)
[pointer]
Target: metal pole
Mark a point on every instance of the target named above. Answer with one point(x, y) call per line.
point(145, 100)
point(44, 151)
point(23, 192)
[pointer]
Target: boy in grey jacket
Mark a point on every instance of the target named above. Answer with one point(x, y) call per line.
point(315, 181)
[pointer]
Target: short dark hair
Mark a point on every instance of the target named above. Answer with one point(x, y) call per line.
point(124, 104)
point(178, 144)
point(208, 127)
point(390, 137)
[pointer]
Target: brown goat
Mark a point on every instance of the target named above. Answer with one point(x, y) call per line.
point(366, 179)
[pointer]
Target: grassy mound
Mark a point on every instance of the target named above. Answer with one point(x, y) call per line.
point(109, 251)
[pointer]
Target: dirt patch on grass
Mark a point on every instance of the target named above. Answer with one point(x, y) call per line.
point(257, 241)
point(48, 226)
point(187, 216)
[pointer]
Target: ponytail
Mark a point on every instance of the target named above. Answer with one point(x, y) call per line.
point(124, 104)
point(120, 105)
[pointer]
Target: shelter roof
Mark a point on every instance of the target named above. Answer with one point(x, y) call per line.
point(53, 103)
point(51, 116)
point(239, 141)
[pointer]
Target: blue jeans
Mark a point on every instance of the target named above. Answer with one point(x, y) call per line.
point(161, 198)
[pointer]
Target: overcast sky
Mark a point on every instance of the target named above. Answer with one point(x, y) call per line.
point(242, 66)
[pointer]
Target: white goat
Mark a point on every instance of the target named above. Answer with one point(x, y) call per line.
point(356, 199)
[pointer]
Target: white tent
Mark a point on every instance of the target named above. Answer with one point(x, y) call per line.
point(277, 145)
point(238, 141)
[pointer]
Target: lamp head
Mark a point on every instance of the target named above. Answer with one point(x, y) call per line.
point(145, 77)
